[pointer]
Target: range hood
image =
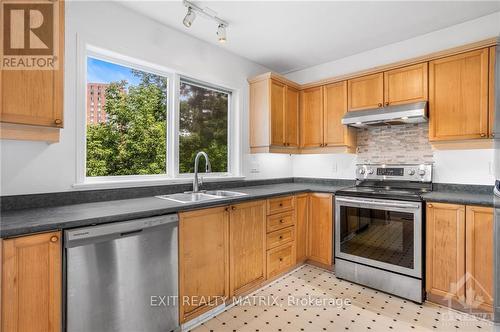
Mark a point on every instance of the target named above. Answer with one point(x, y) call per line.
point(389, 115)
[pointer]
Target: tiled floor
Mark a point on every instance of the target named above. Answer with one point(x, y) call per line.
point(369, 310)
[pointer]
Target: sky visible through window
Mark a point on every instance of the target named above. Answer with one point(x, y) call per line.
point(99, 71)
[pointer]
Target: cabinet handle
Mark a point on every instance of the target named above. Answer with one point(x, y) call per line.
point(281, 237)
point(386, 103)
point(233, 207)
point(493, 135)
point(226, 209)
point(54, 239)
point(58, 121)
point(482, 135)
point(379, 104)
point(429, 205)
point(281, 259)
point(281, 221)
point(281, 204)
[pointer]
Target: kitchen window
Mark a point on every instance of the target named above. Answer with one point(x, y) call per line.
point(150, 124)
point(203, 126)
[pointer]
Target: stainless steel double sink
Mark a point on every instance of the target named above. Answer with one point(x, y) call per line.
point(190, 197)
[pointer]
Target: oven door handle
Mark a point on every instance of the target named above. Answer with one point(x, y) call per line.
point(378, 203)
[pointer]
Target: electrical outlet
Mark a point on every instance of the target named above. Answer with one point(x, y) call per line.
point(334, 167)
point(255, 167)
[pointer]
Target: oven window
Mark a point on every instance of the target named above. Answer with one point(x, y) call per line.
point(379, 235)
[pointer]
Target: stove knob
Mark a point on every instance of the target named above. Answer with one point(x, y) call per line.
point(370, 171)
point(421, 172)
point(411, 172)
point(362, 171)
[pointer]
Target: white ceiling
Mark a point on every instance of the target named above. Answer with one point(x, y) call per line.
point(291, 35)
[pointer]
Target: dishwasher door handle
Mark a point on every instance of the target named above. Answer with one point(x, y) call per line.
point(100, 233)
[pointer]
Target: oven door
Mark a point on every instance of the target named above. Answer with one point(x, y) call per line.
point(380, 233)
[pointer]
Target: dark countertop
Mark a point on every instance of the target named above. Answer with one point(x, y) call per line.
point(32, 220)
point(18, 222)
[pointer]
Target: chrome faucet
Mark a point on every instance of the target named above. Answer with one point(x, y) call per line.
point(198, 182)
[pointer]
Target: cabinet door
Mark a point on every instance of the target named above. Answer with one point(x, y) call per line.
point(445, 252)
point(406, 85)
point(479, 257)
point(491, 94)
point(320, 228)
point(31, 283)
point(247, 237)
point(278, 92)
point(312, 117)
point(366, 92)
point(203, 260)
point(35, 97)
point(292, 117)
point(335, 106)
point(302, 216)
point(458, 96)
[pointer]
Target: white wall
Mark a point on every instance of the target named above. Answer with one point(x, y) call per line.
point(36, 167)
point(456, 166)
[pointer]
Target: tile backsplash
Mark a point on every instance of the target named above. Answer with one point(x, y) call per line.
point(401, 144)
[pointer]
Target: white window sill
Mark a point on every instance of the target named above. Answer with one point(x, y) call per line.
point(144, 182)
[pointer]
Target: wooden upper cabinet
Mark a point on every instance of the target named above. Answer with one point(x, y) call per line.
point(292, 117)
point(491, 93)
point(203, 259)
point(311, 120)
point(247, 238)
point(31, 283)
point(335, 106)
point(479, 257)
point(301, 222)
point(445, 250)
point(34, 97)
point(274, 115)
point(366, 92)
point(458, 96)
point(406, 85)
point(320, 242)
point(278, 95)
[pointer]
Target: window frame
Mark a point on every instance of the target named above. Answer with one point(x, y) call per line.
point(174, 78)
point(230, 107)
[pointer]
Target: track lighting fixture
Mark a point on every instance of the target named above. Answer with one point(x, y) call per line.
point(189, 18)
point(221, 33)
point(193, 9)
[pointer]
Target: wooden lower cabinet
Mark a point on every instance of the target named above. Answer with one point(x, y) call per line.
point(247, 246)
point(203, 260)
point(320, 228)
point(280, 259)
point(479, 257)
point(301, 223)
point(31, 283)
point(459, 255)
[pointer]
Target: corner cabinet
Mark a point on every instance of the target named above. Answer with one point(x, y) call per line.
point(459, 256)
point(31, 283)
point(322, 109)
point(274, 115)
point(459, 96)
point(32, 100)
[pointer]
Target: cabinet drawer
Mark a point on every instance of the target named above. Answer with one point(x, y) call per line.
point(280, 259)
point(280, 204)
point(279, 221)
point(280, 237)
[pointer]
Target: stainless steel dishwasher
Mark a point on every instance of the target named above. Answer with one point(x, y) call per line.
point(123, 277)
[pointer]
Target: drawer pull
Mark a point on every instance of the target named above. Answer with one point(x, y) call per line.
point(281, 259)
point(281, 204)
point(281, 221)
point(54, 239)
point(281, 237)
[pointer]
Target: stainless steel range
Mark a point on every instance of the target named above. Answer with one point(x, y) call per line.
point(378, 223)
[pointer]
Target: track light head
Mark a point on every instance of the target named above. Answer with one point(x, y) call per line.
point(189, 18)
point(221, 33)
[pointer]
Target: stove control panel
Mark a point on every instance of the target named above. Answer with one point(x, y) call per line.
point(414, 172)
